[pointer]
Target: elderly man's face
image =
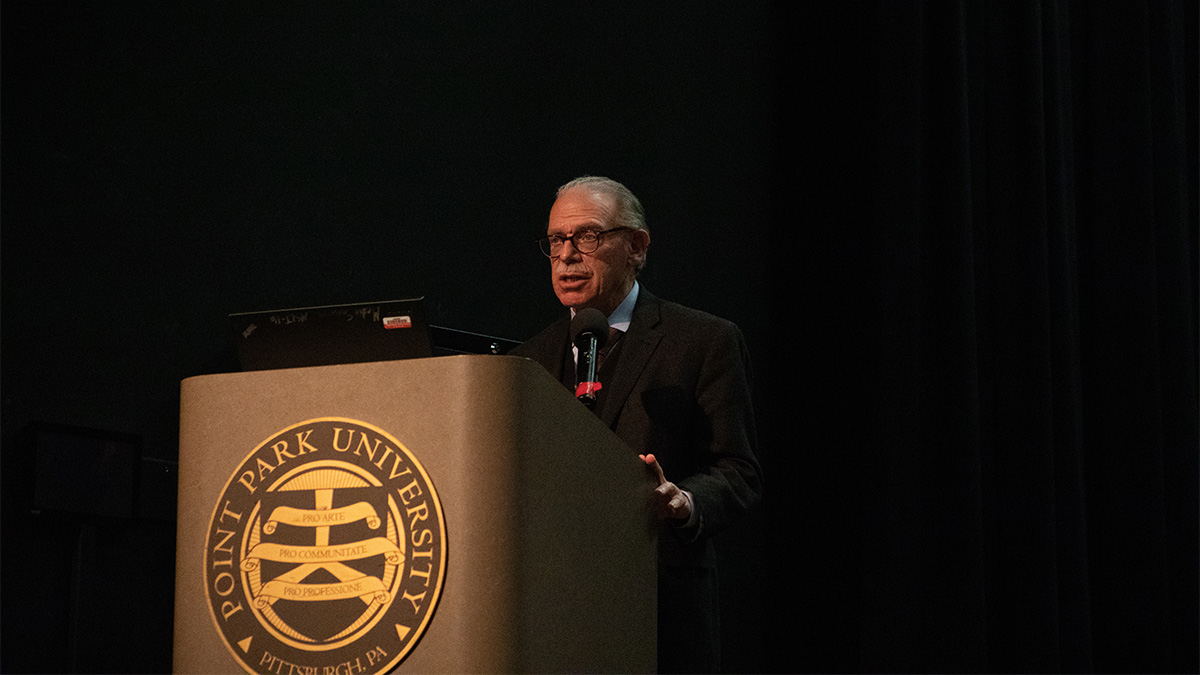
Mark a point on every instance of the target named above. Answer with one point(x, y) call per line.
point(603, 278)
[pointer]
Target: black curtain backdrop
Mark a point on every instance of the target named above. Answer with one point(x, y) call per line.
point(998, 431)
point(961, 239)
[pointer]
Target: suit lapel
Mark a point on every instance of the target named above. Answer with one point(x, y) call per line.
point(552, 359)
point(638, 345)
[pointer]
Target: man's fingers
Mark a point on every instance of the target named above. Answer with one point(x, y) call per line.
point(671, 502)
point(652, 463)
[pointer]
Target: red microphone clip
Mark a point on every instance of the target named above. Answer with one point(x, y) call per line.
point(587, 388)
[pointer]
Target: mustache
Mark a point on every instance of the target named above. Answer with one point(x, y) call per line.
point(571, 269)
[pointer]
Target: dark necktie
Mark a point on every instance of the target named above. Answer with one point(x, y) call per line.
point(614, 335)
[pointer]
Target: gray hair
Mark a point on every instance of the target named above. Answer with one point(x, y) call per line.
point(629, 210)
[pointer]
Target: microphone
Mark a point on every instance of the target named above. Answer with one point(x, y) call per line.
point(589, 332)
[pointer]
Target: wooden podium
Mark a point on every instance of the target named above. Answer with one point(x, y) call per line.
point(459, 514)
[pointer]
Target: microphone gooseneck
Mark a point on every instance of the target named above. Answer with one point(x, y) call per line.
point(589, 332)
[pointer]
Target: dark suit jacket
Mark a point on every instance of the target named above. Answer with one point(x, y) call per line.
point(680, 388)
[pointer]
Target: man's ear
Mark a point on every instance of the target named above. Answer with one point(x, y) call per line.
point(639, 242)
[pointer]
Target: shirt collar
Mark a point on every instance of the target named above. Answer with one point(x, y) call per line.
point(622, 316)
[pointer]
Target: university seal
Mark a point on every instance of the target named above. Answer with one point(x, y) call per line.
point(326, 552)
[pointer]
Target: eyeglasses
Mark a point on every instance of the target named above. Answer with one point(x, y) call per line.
point(585, 242)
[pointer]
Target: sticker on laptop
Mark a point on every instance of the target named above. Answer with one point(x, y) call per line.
point(390, 322)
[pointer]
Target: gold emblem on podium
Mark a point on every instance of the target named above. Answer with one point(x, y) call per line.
point(326, 552)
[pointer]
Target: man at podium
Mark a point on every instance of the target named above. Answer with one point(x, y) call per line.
point(674, 386)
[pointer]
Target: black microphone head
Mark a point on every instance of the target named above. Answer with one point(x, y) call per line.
point(589, 321)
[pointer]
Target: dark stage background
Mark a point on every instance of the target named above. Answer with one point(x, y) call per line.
point(961, 240)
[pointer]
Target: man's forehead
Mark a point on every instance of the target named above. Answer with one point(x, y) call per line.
point(580, 210)
point(573, 227)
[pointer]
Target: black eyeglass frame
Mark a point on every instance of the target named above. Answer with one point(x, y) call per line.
point(547, 249)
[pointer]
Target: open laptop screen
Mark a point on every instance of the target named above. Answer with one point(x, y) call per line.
point(332, 334)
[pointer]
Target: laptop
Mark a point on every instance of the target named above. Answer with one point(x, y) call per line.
point(452, 341)
point(331, 335)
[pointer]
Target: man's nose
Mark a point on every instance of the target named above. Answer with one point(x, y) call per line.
point(568, 252)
